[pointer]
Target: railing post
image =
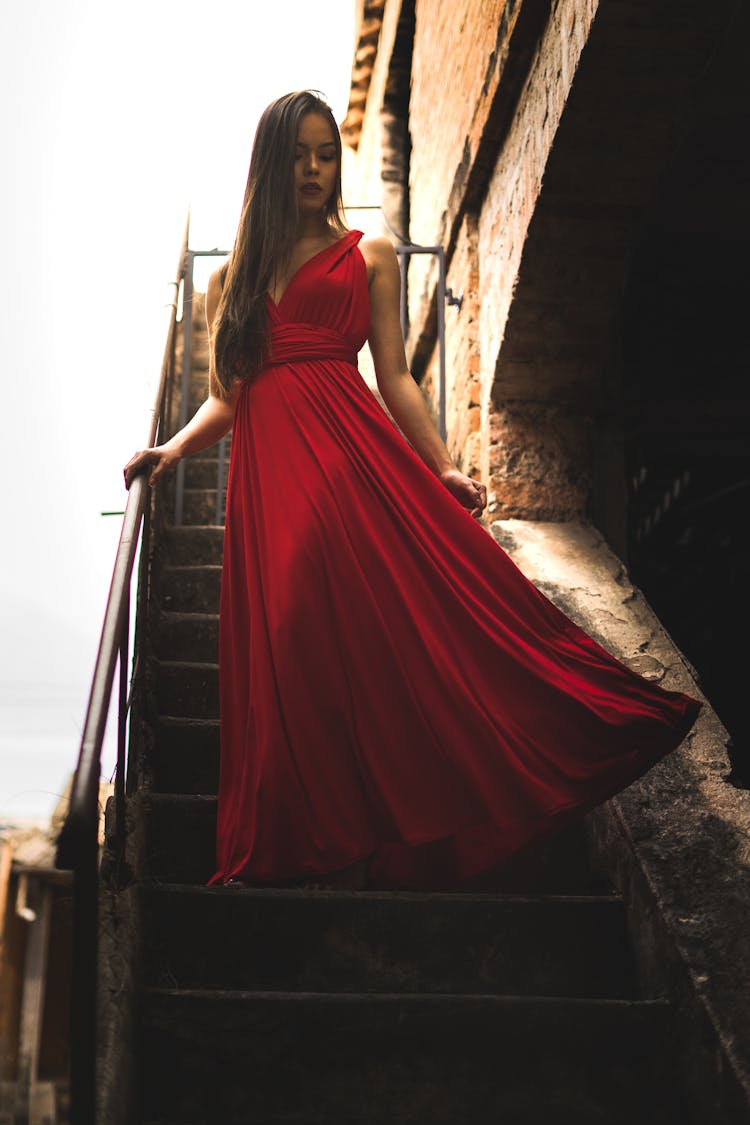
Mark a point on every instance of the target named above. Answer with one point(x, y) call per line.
point(405, 249)
point(441, 297)
point(403, 308)
point(83, 1008)
point(442, 419)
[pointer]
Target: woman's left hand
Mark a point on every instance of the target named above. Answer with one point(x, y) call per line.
point(470, 493)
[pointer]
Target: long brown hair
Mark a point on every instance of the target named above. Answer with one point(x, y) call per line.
point(266, 235)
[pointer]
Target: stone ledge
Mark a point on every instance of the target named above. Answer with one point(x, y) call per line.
point(678, 840)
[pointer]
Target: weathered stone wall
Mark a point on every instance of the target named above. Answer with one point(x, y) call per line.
point(534, 455)
point(643, 75)
point(540, 132)
point(523, 452)
point(477, 204)
point(455, 69)
point(531, 454)
point(462, 356)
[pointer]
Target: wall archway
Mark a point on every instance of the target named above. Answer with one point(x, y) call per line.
point(686, 354)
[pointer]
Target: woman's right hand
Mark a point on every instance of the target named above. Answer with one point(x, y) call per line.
point(161, 458)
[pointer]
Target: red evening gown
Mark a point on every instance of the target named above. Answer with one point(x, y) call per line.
point(391, 684)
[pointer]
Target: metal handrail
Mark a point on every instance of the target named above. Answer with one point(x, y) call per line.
point(78, 841)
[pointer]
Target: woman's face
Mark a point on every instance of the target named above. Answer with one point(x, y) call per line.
point(315, 163)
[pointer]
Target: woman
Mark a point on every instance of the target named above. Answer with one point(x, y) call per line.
point(398, 703)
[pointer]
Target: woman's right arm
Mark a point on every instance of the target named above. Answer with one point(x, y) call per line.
point(210, 422)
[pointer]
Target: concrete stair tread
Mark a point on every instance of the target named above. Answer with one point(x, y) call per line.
point(195, 545)
point(304, 1117)
point(179, 635)
point(187, 687)
point(185, 755)
point(381, 941)
point(188, 570)
point(202, 472)
point(180, 722)
point(403, 1058)
point(658, 1004)
point(180, 829)
point(418, 898)
point(199, 507)
point(190, 616)
point(188, 666)
point(190, 587)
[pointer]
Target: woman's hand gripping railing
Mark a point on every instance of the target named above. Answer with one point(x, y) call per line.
point(78, 842)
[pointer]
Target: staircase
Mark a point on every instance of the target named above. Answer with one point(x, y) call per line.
point(519, 1004)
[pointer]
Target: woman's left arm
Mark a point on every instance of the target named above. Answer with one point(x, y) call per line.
point(400, 393)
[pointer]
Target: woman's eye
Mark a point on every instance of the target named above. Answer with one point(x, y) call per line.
point(323, 157)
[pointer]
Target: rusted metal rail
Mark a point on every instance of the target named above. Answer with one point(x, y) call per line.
point(78, 842)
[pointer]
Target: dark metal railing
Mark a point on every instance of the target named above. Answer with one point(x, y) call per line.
point(78, 842)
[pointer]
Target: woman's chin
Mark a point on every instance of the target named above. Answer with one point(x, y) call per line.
point(312, 204)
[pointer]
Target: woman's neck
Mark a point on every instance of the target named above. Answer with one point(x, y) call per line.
point(311, 228)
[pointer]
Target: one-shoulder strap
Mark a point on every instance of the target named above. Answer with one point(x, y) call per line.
point(342, 247)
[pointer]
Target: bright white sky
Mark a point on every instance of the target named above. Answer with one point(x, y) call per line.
point(112, 118)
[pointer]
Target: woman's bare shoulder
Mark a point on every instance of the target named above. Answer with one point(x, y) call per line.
point(377, 246)
point(379, 256)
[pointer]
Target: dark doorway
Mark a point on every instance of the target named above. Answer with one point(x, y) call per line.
point(686, 350)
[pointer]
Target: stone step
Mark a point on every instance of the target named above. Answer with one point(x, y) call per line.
point(200, 471)
point(190, 589)
point(180, 837)
point(193, 546)
point(185, 755)
point(180, 833)
point(336, 941)
point(199, 507)
point(187, 689)
point(203, 472)
point(263, 1058)
point(186, 636)
point(200, 481)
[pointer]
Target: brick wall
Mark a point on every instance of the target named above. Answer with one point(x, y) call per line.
point(540, 130)
point(452, 70)
point(534, 456)
point(488, 440)
point(462, 356)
